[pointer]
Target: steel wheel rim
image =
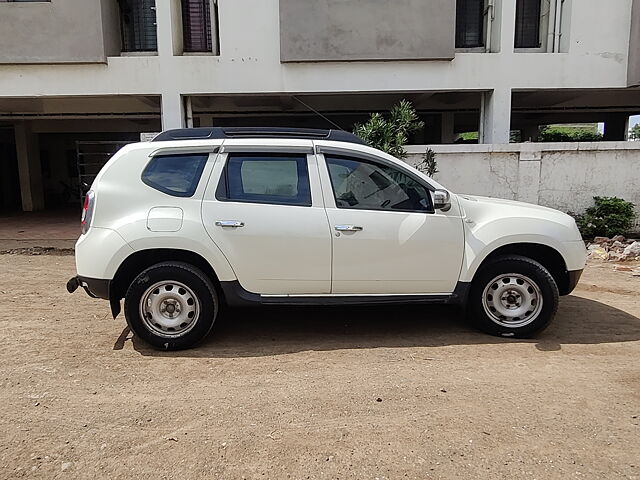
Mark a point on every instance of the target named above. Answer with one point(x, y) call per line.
point(169, 309)
point(512, 300)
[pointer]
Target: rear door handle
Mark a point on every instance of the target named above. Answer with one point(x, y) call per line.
point(348, 228)
point(229, 223)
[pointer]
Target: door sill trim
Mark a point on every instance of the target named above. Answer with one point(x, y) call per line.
point(347, 295)
point(236, 296)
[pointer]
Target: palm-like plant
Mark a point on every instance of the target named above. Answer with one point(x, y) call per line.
point(392, 133)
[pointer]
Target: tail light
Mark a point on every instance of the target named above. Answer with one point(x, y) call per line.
point(87, 210)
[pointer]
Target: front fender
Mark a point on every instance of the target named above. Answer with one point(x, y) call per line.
point(481, 240)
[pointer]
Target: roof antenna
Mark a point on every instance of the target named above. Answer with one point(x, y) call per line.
point(318, 113)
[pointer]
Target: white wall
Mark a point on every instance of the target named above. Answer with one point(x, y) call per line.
point(250, 62)
point(565, 176)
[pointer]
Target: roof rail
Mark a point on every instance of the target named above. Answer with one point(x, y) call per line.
point(204, 133)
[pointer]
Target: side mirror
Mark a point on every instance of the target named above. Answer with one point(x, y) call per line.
point(441, 200)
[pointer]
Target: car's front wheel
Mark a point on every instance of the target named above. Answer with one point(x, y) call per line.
point(513, 296)
point(171, 305)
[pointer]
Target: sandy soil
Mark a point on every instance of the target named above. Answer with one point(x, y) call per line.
point(317, 393)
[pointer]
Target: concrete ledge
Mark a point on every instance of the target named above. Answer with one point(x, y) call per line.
point(564, 176)
point(525, 147)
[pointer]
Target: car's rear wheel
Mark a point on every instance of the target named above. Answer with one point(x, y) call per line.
point(171, 305)
point(513, 296)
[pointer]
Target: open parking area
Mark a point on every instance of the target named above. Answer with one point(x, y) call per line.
point(407, 392)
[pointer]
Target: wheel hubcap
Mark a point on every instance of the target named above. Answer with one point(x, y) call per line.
point(169, 309)
point(512, 300)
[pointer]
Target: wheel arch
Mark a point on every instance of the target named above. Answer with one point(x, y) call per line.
point(135, 263)
point(547, 256)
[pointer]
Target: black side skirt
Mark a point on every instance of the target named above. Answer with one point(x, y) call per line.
point(236, 296)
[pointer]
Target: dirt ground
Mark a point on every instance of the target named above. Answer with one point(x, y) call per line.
point(363, 393)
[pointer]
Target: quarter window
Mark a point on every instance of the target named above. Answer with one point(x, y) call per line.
point(281, 179)
point(364, 185)
point(176, 175)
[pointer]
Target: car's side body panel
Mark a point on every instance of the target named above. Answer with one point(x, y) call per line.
point(100, 254)
point(118, 182)
point(278, 249)
point(493, 223)
point(395, 252)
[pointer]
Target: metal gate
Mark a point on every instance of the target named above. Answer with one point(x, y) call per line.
point(91, 157)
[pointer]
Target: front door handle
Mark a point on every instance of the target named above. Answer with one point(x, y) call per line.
point(229, 223)
point(348, 228)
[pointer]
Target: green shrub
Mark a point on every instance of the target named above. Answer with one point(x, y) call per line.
point(609, 216)
point(558, 133)
point(390, 134)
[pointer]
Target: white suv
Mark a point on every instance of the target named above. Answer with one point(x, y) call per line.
point(204, 218)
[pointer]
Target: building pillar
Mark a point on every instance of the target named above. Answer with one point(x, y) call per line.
point(495, 116)
point(29, 168)
point(500, 28)
point(529, 166)
point(447, 131)
point(616, 128)
point(507, 26)
point(173, 114)
point(169, 25)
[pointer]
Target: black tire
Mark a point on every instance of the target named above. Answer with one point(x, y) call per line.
point(197, 285)
point(483, 313)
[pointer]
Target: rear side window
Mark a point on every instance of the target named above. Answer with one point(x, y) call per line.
point(281, 179)
point(176, 175)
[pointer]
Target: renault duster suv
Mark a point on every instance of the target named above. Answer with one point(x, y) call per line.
point(203, 218)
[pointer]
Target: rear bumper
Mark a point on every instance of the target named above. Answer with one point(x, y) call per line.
point(574, 278)
point(95, 287)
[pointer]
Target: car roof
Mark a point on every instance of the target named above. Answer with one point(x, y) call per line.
point(210, 133)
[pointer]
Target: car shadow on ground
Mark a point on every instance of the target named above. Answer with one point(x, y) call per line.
point(270, 331)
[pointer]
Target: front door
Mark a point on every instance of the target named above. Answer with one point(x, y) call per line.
point(387, 239)
point(265, 213)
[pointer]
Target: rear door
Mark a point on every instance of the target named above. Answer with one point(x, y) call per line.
point(263, 208)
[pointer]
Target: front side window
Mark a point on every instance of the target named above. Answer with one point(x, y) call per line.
point(528, 24)
point(281, 179)
point(469, 23)
point(176, 175)
point(364, 185)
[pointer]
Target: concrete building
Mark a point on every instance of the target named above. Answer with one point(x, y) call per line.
point(80, 77)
